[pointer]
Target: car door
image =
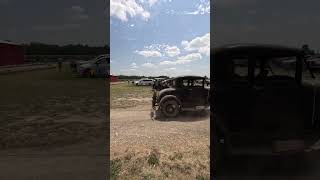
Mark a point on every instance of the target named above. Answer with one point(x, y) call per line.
point(102, 67)
point(198, 94)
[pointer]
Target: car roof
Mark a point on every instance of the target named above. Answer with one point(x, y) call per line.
point(255, 50)
point(189, 77)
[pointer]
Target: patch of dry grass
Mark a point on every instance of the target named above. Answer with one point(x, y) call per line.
point(124, 95)
point(156, 164)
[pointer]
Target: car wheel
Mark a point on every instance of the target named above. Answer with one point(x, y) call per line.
point(170, 107)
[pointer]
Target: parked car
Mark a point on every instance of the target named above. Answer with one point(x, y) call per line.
point(183, 93)
point(144, 82)
point(260, 107)
point(157, 83)
point(99, 66)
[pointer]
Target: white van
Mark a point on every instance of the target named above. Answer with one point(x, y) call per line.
point(144, 82)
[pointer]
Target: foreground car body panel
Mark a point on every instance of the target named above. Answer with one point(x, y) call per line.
point(269, 113)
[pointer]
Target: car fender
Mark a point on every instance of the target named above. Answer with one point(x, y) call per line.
point(167, 97)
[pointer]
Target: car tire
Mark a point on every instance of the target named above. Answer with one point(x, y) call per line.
point(170, 107)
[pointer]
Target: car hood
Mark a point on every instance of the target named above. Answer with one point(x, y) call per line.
point(87, 65)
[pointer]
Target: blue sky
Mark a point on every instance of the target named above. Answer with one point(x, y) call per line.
point(160, 37)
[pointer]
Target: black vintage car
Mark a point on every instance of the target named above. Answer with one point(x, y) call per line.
point(260, 106)
point(181, 94)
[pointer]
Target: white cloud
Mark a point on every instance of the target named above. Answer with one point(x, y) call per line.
point(199, 44)
point(170, 69)
point(203, 8)
point(158, 50)
point(188, 58)
point(149, 53)
point(133, 65)
point(183, 59)
point(122, 9)
point(172, 51)
point(167, 63)
point(152, 2)
point(148, 65)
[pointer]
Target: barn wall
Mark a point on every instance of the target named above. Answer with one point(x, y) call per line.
point(11, 54)
point(114, 78)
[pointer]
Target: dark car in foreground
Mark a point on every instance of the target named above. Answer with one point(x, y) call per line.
point(259, 106)
point(183, 93)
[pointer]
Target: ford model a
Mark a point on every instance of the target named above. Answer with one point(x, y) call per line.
point(183, 93)
point(262, 101)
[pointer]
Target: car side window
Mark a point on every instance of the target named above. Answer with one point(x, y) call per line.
point(198, 83)
point(192, 83)
point(239, 67)
point(185, 82)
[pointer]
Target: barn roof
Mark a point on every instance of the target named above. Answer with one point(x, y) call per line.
point(8, 42)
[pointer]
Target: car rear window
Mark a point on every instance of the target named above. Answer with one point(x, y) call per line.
point(192, 83)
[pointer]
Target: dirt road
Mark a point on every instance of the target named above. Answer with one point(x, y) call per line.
point(180, 144)
point(80, 161)
point(52, 126)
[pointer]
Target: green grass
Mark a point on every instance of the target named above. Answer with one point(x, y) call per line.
point(154, 158)
point(115, 168)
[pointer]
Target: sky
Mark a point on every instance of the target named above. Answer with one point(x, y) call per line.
point(284, 22)
point(55, 22)
point(160, 37)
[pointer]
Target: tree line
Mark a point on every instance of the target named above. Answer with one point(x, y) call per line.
point(124, 77)
point(35, 48)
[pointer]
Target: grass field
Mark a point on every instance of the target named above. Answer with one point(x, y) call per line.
point(50, 108)
point(124, 95)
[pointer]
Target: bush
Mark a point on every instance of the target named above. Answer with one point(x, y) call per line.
point(115, 168)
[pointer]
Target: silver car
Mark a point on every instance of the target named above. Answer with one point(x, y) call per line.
point(144, 82)
point(99, 66)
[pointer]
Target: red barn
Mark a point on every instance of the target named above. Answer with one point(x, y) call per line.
point(11, 53)
point(113, 78)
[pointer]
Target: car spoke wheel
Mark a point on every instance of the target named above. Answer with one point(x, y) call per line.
point(170, 108)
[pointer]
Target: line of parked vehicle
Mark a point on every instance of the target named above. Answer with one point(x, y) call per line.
point(97, 67)
point(147, 81)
